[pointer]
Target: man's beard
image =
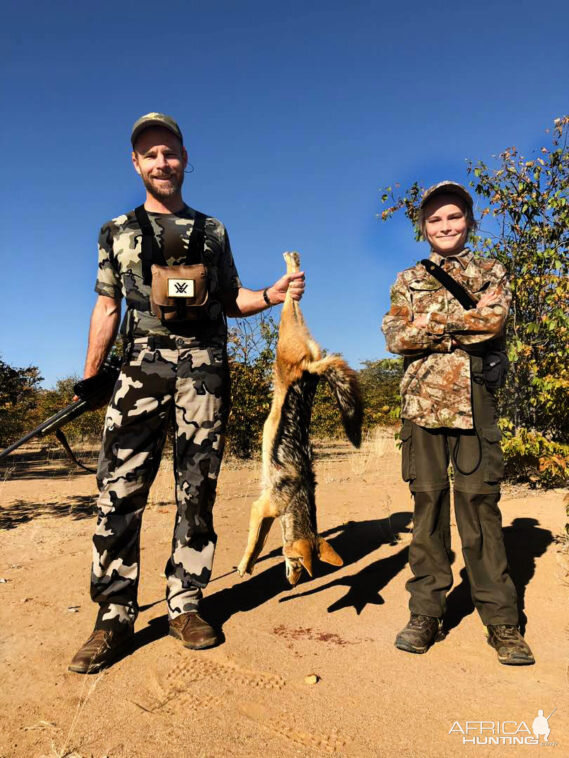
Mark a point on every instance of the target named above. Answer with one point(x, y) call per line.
point(163, 192)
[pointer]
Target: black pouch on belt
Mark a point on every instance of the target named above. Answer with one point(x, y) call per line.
point(495, 365)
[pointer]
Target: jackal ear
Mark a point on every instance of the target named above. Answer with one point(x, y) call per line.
point(327, 554)
point(302, 550)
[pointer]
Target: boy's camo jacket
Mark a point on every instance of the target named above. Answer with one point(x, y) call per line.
point(435, 389)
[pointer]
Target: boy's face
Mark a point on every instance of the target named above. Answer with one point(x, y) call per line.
point(446, 227)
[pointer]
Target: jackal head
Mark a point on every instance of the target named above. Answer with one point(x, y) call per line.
point(300, 553)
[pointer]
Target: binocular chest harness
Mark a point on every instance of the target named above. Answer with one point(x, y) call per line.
point(177, 293)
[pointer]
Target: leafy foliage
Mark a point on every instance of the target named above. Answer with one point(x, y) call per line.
point(531, 457)
point(18, 397)
point(530, 200)
point(251, 352)
point(380, 381)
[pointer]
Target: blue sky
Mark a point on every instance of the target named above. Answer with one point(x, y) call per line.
point(294, 116)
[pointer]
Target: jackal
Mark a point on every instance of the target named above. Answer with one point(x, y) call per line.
point(288, 478)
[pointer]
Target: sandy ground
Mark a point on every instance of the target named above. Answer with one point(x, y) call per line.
point(248, 697)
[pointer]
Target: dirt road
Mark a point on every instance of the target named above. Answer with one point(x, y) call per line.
point(249, 697)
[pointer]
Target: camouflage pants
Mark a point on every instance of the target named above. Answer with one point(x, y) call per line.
point(163, 378)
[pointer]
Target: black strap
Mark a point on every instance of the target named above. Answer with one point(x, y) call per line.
point(457, 290)
point(151, 252)
point(196, 243)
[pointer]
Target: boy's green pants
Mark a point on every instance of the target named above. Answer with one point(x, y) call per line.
point(478, 466)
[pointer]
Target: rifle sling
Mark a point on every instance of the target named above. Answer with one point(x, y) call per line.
point(63, 440)
point(456, 290)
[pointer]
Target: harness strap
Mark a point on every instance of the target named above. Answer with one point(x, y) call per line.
point(196, 244)
point(151, 253)
point(456, 289)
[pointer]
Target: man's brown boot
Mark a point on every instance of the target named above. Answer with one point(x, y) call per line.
point(193, 631)
point(419, 634)
point(511, 647)
point(101, 649)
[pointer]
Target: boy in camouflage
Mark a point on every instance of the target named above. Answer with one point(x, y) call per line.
point(175, 371)
point(449, 414)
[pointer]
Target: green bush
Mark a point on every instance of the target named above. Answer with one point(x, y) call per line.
point(18, 399)
point(251, 352)
point(531, 457)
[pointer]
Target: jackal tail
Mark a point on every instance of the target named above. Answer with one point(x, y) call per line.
point(344, 384)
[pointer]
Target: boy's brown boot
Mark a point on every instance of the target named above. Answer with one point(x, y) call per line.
point(419, 634)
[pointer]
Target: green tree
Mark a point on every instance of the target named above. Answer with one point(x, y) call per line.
point(251, 352)
point(18, 397)
point(380, 381)
point(326, 420)
point(527, 214)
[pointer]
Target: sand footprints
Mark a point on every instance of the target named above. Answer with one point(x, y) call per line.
point(177, 688)
point(194, 669)
point(199, 684)
point(291, 731)
point(327, 743)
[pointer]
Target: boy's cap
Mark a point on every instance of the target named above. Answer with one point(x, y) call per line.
point(155, 119)
point(444, 188)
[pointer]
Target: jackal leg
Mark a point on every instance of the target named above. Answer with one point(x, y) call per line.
point(292, 261)
point(262, 516)
point(296, 341)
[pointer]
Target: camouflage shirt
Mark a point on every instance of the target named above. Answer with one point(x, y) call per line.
point(120, 270)
point(435, 389)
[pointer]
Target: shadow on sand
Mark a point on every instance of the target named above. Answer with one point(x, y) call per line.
point(525, 541)
point(46, 464)
point(353, 541)
point(22, 511)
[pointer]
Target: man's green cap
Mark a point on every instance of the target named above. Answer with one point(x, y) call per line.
point(155, 119)
point(447, 188)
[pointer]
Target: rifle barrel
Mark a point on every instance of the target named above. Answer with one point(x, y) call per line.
point(64, 416)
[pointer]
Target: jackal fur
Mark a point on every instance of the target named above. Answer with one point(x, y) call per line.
point(288, 483)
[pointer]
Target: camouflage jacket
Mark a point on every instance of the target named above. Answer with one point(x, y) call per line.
point(120, 270)
point(435, 389)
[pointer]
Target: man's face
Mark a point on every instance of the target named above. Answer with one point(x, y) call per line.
point(160, 159)
point(446, 227)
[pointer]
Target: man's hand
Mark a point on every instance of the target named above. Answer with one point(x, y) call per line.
point(295, 283)
point(248, 302)
point(102, 332)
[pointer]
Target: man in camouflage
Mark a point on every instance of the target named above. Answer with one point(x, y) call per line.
point(172, 372)
point(449, 415)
